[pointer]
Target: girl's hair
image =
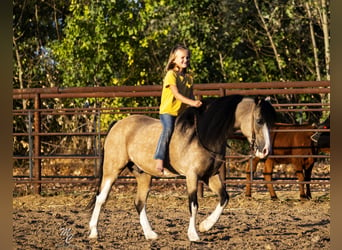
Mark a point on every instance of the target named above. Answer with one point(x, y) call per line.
point(170, 63)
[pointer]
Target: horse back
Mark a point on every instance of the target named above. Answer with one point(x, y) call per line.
point(133, 129)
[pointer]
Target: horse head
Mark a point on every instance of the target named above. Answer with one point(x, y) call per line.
point(217, 118)
point(255, 118)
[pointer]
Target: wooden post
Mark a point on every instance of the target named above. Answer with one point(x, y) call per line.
point(222, 92)
point(37, 161)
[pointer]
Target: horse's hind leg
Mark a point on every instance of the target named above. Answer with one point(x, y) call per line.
point(110, 174)
point(307, 177)
point(298, 163)
point(216, 185)
point(143, 188)
point(100, 199)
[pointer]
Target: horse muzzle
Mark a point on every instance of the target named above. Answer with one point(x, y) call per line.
point(263, 153)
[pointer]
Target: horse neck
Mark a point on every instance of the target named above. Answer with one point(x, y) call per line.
point(244, 115)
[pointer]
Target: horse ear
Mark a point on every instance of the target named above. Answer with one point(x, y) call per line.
point(257, 100)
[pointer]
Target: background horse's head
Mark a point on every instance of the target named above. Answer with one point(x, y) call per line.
point(255, 118)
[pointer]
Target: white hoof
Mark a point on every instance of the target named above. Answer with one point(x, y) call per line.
point(203, 227)
point(193, 236)
point(151, 236)
point(93, 235)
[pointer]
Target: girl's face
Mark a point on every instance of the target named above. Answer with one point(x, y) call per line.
point(182, 59)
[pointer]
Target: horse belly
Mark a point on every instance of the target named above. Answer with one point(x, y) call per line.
point(185, 156)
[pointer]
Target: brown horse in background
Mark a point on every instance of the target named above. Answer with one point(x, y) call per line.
point(322, 139)
point(288, 143)
point(196, 151)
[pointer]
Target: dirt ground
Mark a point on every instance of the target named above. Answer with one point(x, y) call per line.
point(61, 221)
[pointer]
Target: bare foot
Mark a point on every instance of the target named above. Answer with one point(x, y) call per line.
point(159, 165)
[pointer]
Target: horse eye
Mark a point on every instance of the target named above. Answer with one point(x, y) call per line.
point(260, 121)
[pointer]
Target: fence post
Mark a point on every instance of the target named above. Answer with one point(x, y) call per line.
point(98, 145)
point(37, 160)
point(30, 143)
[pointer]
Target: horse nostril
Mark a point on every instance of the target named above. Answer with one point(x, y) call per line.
point(265, 151)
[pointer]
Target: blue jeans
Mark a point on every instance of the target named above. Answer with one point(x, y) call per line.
point(168, 122)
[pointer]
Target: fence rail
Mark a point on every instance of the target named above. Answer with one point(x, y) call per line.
point(34, 116)
point(211, 89)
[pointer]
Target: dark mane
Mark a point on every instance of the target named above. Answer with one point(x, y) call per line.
point(215, 120)
point(268, 112)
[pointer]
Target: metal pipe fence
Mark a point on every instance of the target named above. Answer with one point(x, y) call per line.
point(35, 135)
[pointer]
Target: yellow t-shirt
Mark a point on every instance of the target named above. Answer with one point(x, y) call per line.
point(169, 104)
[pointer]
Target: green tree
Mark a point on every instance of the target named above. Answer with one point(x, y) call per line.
point(35, 25)
point(104, 43)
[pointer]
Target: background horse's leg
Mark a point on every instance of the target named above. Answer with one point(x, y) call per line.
point(299, 167)
point(307, 176)
point(143, 188)
point(268, 171)
point(217, 186)
point(191, 182)
point(303, 171)
point(255, 162)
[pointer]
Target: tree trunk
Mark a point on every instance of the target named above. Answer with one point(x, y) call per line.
point(325, 27)
point(313, 40)
point(274, 48)
point(20, 70)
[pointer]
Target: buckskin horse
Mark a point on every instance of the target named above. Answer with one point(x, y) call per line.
point(196, 151)
point(294, 143)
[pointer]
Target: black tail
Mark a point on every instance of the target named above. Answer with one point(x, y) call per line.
point(91, 203)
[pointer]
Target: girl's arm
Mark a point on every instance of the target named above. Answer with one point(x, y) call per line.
point(183, 99)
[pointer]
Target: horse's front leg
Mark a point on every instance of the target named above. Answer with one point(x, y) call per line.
point(143, 188)
point(268, 171)
point(216, 185)
point(192, 182)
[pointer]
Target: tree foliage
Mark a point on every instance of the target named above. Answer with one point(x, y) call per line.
point(120, 42)
point(127, 42)
point(36, 24)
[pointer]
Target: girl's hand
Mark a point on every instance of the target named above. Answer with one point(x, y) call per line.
point(196, 103)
